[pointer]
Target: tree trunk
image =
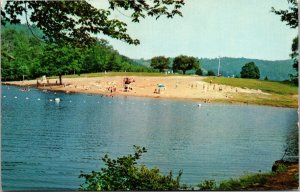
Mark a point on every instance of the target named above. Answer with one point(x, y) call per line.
point(183, 71)
point(60, 80)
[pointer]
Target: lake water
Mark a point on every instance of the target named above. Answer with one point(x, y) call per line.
point(45, 145)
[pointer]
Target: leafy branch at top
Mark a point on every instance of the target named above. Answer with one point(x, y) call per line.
point(77, 22)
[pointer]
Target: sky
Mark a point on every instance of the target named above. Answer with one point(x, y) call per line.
point(209, 29)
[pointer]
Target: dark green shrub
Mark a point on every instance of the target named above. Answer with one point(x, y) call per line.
point(281, 168)
point(199, 72)
point(250, 70)
point(243, 182)
point(207, 185)
point(211, 73)
point(123, 173)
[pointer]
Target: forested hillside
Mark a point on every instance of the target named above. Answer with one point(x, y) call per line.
point(274, 70)
point(22, 55)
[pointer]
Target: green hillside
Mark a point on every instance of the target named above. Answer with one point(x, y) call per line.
point(24, 28)
point(22, 56)
point(275, 70)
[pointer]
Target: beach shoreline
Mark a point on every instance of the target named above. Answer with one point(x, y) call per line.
point(188, 88)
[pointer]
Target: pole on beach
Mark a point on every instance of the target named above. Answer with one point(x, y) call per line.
point(219, 67)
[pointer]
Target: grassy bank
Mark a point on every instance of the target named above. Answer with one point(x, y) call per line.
point(286, 177)
point(281, 94)
point(276, 87)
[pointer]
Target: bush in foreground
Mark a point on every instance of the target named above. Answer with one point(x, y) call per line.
point(124, 173)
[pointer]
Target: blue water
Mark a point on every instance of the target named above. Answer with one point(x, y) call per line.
point(45, 144)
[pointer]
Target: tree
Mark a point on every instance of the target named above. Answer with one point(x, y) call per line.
point(199, 72)
point(124, 174)
point(266, 78)
point(19, 55)
point(160, 63)
point(185, 63)
point(250, 70)
point(75, 21)
point(58, 60)
point(290, 16)
point(295, 56)
point(22, 54)
point(211, 73)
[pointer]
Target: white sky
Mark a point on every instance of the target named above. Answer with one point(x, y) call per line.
point(209, 28)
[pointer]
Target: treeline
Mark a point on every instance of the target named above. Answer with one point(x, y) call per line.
point(25, 56)
point(275, 70)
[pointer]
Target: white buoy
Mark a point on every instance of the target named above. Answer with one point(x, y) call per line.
point(16, 97)
point(57, 100)
point(27, 98)
point(38, 99)
point(4, 96)
point(50, 100)
point(70, 101)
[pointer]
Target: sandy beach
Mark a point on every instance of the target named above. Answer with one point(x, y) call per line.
point(174, 87)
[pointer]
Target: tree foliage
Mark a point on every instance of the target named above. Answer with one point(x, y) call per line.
point(290, 16)
point(295, 56)
point(22, 54)
point(250, 71)
point(75, 22)
point(124, 173)
point(60, 60)
point(160, 63)
point(199, 72)
point(19, 55)
point(211, 73)
point(185, 63)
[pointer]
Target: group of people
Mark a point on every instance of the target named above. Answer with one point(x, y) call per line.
point(25, 89)
point(126, 82)
point(157, 91)
point(112, 89)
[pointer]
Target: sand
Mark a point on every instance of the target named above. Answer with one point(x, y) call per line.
point(177, 87)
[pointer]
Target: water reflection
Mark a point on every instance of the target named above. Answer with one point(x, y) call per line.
point(291, 148)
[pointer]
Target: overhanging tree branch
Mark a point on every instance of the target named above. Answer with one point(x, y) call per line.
point(29, 25)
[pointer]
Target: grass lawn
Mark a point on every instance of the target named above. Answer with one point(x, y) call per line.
point(281, 94)
point(276, 87)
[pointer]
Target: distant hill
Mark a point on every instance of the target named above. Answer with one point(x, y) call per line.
point(23, 27)
point(275, 70)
